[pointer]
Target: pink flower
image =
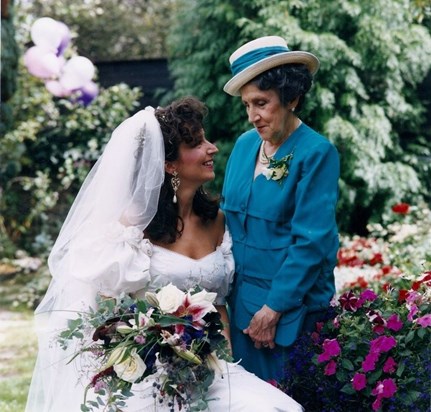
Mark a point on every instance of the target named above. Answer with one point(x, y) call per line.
point(377, 404)
point(394, 323)
point(390, 365)
point(331, 368)
point(359, 381)
point(385, 388)
point(424, 321)
point(330, 348)
point(382, 344)
point(349, 301)
point(369, 364)
point(367, 295)
point(412, 312)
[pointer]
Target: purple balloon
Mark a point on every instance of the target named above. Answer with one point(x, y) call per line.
point(87, 93)
point(65, 38)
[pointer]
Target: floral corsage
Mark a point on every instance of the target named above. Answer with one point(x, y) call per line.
point(278, 169)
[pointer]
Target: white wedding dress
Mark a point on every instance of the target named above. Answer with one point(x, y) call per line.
point(236, 390)
point(58, 386)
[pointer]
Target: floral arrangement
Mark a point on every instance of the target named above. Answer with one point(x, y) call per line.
point(371, 353)
point(172, 335)
point(278, 169)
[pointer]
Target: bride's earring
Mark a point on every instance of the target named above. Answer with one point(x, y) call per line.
point(175, 182)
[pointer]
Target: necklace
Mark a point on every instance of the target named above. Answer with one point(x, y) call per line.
point(264, 159)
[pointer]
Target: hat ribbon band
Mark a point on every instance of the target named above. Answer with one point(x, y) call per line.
point(254, 56)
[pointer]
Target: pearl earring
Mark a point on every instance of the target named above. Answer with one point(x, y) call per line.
point(175, 183)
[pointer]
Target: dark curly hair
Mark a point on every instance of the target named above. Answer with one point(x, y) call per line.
point(289, 81)
point(181, 122)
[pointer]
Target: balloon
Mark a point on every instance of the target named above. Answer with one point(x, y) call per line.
point(77, 72)
point(87, 93)
point(65, 38)
point(46, 33)
point(55, 88)
point(42, 63)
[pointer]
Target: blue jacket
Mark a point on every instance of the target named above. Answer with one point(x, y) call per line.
point(285, 234)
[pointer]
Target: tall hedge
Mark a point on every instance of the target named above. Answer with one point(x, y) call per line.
point(374, 56)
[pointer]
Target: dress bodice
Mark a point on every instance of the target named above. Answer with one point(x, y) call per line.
point(212, 272)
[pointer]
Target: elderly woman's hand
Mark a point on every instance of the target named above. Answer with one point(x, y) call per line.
point(262, 327)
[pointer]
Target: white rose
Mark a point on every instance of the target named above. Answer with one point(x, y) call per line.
point(279, 172)
point(132, 368)
point(170, 298)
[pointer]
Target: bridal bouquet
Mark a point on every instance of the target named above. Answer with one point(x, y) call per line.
point(174, 336)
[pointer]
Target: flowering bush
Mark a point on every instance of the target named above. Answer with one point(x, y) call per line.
point(172, 335)
point(372, 353)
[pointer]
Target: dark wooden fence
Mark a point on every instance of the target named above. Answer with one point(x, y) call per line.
point(151, 75)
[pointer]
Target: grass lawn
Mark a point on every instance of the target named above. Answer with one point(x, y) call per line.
point(18, 346)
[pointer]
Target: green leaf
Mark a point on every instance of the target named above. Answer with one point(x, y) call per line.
point(410, 336)
point(400, 369)
point(422, 332)
point(348, 388)
point(347, 364)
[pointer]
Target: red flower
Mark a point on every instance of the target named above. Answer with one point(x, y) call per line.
point(349, 301)
point(377, 258)
point(402, 295)
point(386, 269)
point(401, 208)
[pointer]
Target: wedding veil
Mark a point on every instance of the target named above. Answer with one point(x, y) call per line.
point(99, 250)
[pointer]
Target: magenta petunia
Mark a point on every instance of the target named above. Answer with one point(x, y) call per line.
point(359, 381)
point(424, 321)
point(368, 295)
point(390, 365)
point(394, 323)
point(377, 404)
point(331, 368)
point(331, 348)
point(369, 364)
point(385, 388)
point(382, 344)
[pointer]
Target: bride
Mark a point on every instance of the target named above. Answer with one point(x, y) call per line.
point(141, 221)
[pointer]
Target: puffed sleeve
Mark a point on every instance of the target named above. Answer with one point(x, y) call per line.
point(229, 268)
point(115, 260)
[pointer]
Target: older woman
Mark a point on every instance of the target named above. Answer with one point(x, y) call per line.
point(279, 198)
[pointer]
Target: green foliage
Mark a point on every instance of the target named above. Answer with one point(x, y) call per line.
point(9, 64)
point(46, 156)
point(111, 30)
point(374, 55)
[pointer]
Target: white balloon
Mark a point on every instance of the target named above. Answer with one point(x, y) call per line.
point(42, 63)
point(77, 72)
point(55, 88)
point(47, 33)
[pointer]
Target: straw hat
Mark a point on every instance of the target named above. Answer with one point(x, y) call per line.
point(259, 55)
